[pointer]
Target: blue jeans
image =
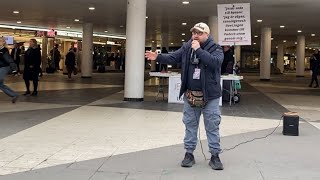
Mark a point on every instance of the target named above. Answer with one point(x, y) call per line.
point(3, 72)
point(212, 119)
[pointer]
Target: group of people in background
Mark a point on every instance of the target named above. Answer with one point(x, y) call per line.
point(102, 58)
point(10, 63)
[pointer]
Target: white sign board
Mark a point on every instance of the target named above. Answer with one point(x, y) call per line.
point(234, 24)
point(174, 90)
point(9, 39)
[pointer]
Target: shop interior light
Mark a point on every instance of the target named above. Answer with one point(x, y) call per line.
point(59, 32)
point(23, 28)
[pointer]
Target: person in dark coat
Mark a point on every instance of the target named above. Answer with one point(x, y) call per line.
point(228, 61)
point(32, 67)
point(314, 65)
point(15, 54)
point(70, 62)
point(56, 56)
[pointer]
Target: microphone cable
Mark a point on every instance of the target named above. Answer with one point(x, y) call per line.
point(245, 142)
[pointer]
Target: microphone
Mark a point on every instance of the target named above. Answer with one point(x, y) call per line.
point(193, 57)
point(192, 53)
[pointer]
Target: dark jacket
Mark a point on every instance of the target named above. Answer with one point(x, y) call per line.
point(3, 62)
point(70, 59)
point(17, 55)
point(211, 57)
point(55, 54)
point(228, 62)
point(315, 62)
point(32, 63)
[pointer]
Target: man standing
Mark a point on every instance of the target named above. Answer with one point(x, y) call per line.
point(201, 61)
point(314, 66)
point(56, 56)
point(70, 62)
point(15, 54)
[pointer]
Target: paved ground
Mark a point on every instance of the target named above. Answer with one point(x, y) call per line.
point(81, 129)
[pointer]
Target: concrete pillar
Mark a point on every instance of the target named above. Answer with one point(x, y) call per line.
point(87, 48)
point(153, 49)
point(165, 41)
point(66, 46)
point(135, 50)
point(265, 54)
point(213, 25)
point(300, 56)
point(44, 55)
point(50, 44)
point(280, 57)
point(79, 55)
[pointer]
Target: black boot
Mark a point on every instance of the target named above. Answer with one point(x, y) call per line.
point(215, 163)
point(188, 160)
point(34, 93)
point(27, 93)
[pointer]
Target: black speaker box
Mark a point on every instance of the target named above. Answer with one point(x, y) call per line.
point(291, 124)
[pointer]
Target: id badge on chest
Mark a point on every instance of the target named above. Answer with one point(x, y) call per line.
point(196, 74)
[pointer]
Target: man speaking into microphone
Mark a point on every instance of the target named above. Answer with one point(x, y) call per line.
point(201, 60)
